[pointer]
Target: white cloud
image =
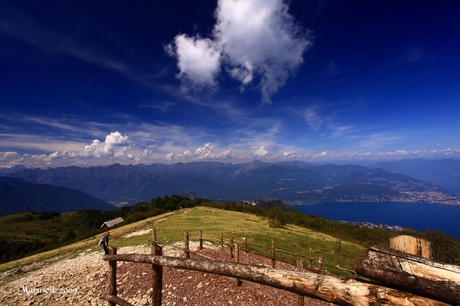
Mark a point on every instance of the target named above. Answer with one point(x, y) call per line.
point(8, 155)
point(320, 155)
point(106, 148)
point(126, 155)
point(10, 159)
point(261, 152)
point(197, 59)
point(169, 156)
point(401, 152)
point(251, 38)
point(205, 152)
point(289, 154)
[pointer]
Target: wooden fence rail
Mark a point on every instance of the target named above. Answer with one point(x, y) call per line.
point(273, 251)
point(325, 287)
point(330, 288)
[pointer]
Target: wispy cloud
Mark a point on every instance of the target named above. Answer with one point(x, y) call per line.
point(71, 42)
point(313, 118)
point(322, 119)
point(162, 106)
point(251, 39)
point(415, 55)
point(34, 142)
point(56, 126)
point(320, 6)
point(376, 141)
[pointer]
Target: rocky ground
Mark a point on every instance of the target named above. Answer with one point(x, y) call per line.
point(82, 280)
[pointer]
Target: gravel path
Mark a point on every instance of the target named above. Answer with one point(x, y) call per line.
point(81, 280)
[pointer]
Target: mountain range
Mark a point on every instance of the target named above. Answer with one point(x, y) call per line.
point(18, 195)
point(295, 182)
point(443, 172)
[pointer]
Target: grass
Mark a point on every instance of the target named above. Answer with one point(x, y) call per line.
point(240, 225)
point(89, 245)
point(16, 226)
point(170, 228)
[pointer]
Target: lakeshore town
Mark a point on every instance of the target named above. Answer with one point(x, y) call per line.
point(429, 197)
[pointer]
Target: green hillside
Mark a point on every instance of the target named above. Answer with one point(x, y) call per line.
point(32, 232)
point(171, 228)
point(66, 234)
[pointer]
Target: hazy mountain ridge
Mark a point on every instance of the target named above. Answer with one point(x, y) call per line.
point(5, 171)
point(18, 195)
point(290, 182)
point(443, 172)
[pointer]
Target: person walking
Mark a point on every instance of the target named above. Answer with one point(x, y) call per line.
point(105, 243)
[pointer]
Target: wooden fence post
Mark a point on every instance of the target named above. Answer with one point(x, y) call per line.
point(300, 299)
point(186, 248)
point(237, 260)
point(231, 248)
point(154, 234)
point(113, 276)
point(157, 276)
point(201, 240)
point(273, 254)
point(237, 253)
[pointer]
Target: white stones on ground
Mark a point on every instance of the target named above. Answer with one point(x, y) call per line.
point(78, 277)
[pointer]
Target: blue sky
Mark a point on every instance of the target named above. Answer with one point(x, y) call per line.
point(99, 82)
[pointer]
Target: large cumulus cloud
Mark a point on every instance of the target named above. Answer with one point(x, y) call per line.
point(252, 39)
point(106, 148)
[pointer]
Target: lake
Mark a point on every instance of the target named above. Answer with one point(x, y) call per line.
point(418, 216)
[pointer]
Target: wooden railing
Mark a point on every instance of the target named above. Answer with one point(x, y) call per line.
point(340, 291)
point(231, 245)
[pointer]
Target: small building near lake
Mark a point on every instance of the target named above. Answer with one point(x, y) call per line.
point(112, 222)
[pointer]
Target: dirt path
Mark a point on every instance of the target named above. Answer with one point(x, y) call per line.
point(81, 280)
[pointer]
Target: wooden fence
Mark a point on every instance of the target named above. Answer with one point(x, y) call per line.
point(331, 288)
point(273, 251)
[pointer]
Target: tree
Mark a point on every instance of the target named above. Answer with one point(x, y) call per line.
point(277, 217)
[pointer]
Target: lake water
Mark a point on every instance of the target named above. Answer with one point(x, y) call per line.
point(418, 216)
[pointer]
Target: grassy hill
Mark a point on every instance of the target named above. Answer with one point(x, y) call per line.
point(31, 232)
point(171, 227)
point(338, 243)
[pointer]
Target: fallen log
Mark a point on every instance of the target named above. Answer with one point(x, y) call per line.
point(325, 287)
point(412, 273)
